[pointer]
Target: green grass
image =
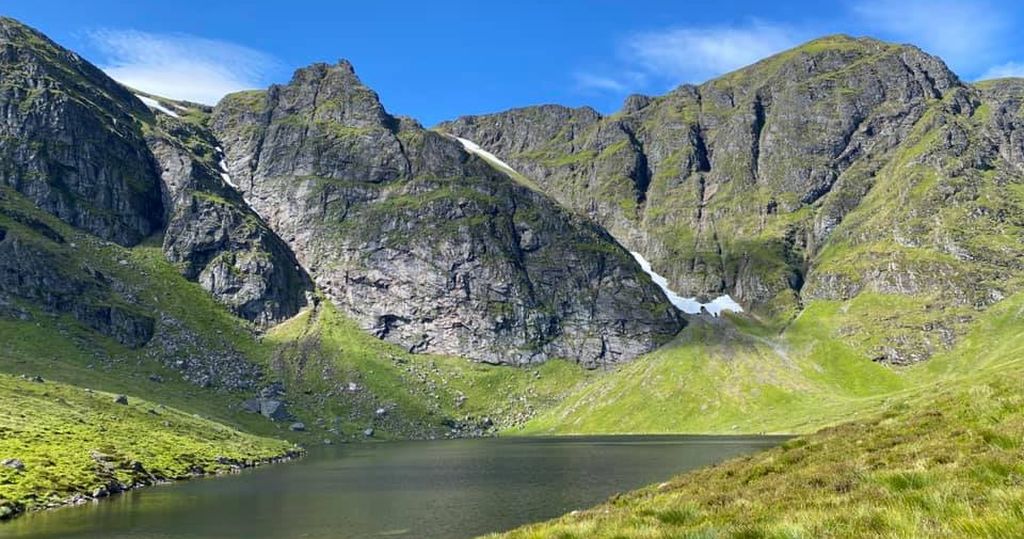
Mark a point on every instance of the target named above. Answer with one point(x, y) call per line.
point(55, 427)
point(737, 375)
point(74, 440)
point(321, 352)
point(945, 459)
point(724, 377)
point(316, 355)
point(59, 347)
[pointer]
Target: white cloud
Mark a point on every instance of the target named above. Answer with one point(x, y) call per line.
point(181, 66)
point(590, 81)
point(697, 54)
point(1009, 69)
point(676, 55)
point(964, 33)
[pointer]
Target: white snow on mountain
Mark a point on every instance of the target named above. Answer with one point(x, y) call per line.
point(475, 148)
point(225, 175)
point(224, 169)
point(687, 305)
point(155, 105)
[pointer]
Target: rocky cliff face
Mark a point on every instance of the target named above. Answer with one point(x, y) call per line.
point(426, 245)
point(706, 180)
point(70, 139)
point(842, 167)
point(214, 235)
point(35, 271)
point(847, 170)
point(86, 150)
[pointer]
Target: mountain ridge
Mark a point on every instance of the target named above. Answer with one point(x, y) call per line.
point(320, 156)
point(725, 189)
point(301, 249)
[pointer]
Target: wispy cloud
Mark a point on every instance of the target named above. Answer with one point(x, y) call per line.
point(590, 81)
point(696, 54)
point(181, 66)
point(676, 55)
point(1009, 69)
point(965, 33)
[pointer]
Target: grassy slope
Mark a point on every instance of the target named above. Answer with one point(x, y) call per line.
point(738, 376)
point(314, 354)
point(60, 348)
point(55, 427)
point(945, 460)
point(73, 440)
point(321, 352)
point(732, 376)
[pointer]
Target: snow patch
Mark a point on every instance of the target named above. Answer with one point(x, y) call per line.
point(723, 303)
point(224, 172)
point(154, 104)
point(475, 148)
point(687, 305)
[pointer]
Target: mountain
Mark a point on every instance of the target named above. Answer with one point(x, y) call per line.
point(84, 148)
point(139, 286)
point(842, 167)
point(426, 245)
point(188, 289)
point(422, 243)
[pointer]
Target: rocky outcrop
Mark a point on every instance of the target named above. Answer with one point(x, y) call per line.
point(213, 234)
point(426, 245)
point(1005, 98)
point(66, 280)
point(85, 149)
point(36, 269)
point(70, 139)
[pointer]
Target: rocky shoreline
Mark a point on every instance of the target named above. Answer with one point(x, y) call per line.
point(10, 510)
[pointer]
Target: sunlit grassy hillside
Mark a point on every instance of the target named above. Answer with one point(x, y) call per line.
point(944, 459)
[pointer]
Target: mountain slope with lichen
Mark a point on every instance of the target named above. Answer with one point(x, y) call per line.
point(426, 245)
point(841, 167)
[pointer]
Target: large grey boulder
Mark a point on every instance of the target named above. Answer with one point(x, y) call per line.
point(274, 410)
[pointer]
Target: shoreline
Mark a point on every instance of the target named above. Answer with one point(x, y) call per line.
point(10, 510)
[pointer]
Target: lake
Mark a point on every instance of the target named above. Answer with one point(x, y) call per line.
point(444, 489)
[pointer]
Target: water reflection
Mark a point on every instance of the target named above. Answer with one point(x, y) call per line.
point(450, 489)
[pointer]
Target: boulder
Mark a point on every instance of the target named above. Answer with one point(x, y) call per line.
point(274, 410)
point(14, 464)
point(251, 405)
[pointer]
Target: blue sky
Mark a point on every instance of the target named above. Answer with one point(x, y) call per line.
point(437, 60)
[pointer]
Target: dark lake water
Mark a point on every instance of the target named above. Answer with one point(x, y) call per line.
point(449, 489)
